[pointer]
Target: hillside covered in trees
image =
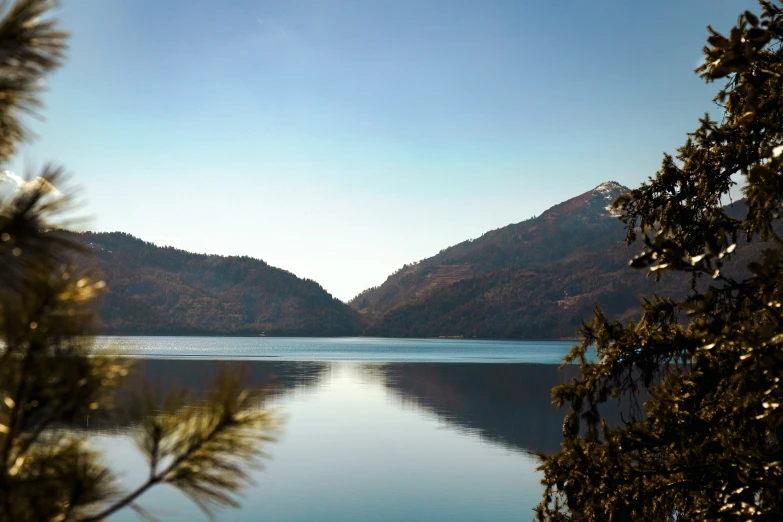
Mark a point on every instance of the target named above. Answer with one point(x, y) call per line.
point(580, 225)
point(534, 279)
point(156, 290)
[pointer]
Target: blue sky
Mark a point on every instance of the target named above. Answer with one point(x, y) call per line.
point(341, 139)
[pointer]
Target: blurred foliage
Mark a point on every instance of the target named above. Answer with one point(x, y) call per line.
point(49, 379)
point(708, 442)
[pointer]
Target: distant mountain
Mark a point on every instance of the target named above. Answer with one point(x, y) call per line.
point(156, 290)
point(501, 265)
point(534, 279)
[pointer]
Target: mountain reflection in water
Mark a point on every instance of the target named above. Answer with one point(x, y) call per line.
point(376, 441)
point(505, 403)
point(195, 374)
point(509, 404)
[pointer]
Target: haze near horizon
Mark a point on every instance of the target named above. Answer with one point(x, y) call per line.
point(340, 140)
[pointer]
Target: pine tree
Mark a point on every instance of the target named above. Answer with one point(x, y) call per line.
point(49, 379)
point(707, 443)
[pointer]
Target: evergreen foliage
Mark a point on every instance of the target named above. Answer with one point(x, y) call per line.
point(49, 379)
point(708, 442)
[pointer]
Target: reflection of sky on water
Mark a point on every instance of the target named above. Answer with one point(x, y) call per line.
point(340, 349)
point(353, 450)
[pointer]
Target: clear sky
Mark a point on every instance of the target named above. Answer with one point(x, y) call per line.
point(341, 139)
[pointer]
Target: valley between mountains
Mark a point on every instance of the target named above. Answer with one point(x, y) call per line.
point(537, 279)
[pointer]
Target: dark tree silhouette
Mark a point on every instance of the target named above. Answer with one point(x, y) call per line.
point(708, 443)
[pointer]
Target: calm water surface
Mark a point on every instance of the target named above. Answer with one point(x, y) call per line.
point(340, 349)
point(377, 429)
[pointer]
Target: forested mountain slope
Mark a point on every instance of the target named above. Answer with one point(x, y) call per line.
point(163, 290)
point(580, 225)
point(535, 279)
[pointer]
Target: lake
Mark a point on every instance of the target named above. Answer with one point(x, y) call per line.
point(377, 429)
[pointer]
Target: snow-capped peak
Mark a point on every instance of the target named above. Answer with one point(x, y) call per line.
point(610, 190)
point(609, 187)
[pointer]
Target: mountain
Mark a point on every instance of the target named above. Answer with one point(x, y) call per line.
point(517, 256)
point(156, 290)
point(534, 279)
